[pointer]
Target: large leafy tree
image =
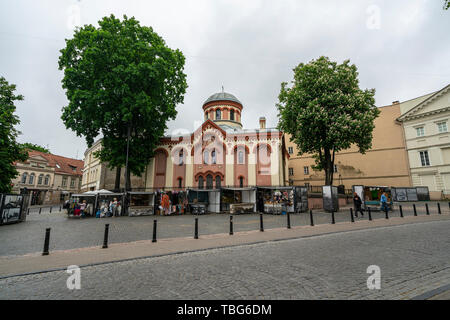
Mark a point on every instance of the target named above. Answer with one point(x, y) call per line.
point(10, 150)
point(325, 111)
point(121, 77)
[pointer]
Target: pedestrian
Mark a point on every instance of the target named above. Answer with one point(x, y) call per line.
point(357, 203)
point(383, 200)
point(165, 203)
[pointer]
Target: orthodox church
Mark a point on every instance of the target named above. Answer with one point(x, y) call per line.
point(220, 153)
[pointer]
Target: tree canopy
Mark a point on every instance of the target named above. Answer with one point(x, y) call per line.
point(325, 111)
point(32, 146)
point(121, 75)
point(10, 150)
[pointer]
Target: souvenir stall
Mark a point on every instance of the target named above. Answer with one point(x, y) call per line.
point(276, 200)
point(75, 200)
point(372, 197)
point(238, 200)
point(110, 204)
point(177, 202)
point(202, 201)
point(141, 203)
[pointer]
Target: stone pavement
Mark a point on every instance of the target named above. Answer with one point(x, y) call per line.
point(414, 259)
point(60, 259)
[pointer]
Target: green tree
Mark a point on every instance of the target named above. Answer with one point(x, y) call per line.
point(446, 4)
point(118, 77)
point(10, 150)
point(32, 146)
point(325, 111)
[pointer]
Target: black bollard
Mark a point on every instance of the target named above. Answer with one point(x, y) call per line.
point(51, 209)
point(311, 218)
point(261, 223)
point(415, 210)
point(105, 239)
point(28, 212)
point(439, 207)
point(196, 229)
point(332, 217)
point(401, 211)
point(46, 242)
point(154, 230)
point(231, 225)
point(351, 214)
point(370, 214)
point(386, 211)
point(40, 210)
point(288, 220)
point(60, 208)
point(426, 208)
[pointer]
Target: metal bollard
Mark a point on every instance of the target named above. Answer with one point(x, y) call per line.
point(196, 229)
point(401, 210)
point(370, 214)
point(105, 239)
point(154, 230)
point(231, 225)
point(332, 217)
point(288, 220)
point(40, 210)
point(60, 208)
point(311, 218)
point(261, 223)
point(386, 209)
point(415, 210)
point(28, 212)
point(51, 209)
point(426, 208)
point(46, 242)
point(439, 207)
point(351, 215)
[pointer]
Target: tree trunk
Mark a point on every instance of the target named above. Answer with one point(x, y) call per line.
point(129, 180)
point(328, 167)
point(117, 182)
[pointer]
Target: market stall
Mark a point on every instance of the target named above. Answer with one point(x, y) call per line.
point(76, 200)
point(238, 200)
point(276, 200)
point(141, 203)
point(372, 196)
point(202, 201)
point(110, 203)
point(177, 202)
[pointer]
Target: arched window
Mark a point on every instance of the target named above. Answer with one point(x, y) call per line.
point(47, 180)
point(206, 116)
point(213, 157)
point(180, 157)
point(209, 181)
point(180, 182)
point(232, 114)
point(200, 182)
point(218, 180)
point(241, 157)
point(41, 176)
point(241, 182)
point(218, 114)
point(205, 157)
point(31, 181)
point(24, 178)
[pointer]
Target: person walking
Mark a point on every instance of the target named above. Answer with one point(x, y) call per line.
point(357, 203)
point(383, 200)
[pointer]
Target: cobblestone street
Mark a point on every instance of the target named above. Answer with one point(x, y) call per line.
point(413, 259)
point(28, 237)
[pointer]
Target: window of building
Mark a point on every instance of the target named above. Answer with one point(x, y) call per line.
point(241, 157)
point(420, 131)
point(424, 158)
point(206, 116)
point(180, 157)
point(40, 178)
point(31, 181)
point(180, 182)
point(200, 182)
point(442, 126)
point(231, 114)
point(47, 180)
point(291, 171)
point(306, 170)
point(72, 183)
point(213, 157)
point(205, 157)
point(64, 182)
point(209, 181)
point(24, 178)
point(335, 168)
point(241, 182)
point(291, 150)
point(218, 181)
point(218, 114)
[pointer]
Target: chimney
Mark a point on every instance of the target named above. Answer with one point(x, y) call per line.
point(395, 102)
point(262, 122)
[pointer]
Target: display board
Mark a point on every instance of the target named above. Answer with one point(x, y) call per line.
point(11, 206)
point(301, 199)
point(411, 194)
point(330, 198)
point(423, 194)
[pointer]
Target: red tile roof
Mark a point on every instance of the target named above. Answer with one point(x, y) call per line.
point(65, 164)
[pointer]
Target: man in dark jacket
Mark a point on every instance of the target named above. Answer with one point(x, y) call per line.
point(357, 202)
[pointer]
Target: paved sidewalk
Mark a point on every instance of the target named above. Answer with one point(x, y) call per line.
point(30, 263)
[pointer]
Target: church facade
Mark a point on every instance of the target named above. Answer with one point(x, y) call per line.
point(220, 153)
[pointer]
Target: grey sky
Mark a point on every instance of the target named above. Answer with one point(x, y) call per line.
point(401, 49)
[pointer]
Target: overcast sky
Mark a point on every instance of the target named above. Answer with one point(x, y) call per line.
point(401, 49)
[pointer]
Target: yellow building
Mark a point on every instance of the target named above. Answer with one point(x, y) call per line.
point(385, 164)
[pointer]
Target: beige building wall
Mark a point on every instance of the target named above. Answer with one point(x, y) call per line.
point(385, 164)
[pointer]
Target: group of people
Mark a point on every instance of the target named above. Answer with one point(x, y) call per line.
point(79, 209)
point(358, 203)
point(109, 209)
